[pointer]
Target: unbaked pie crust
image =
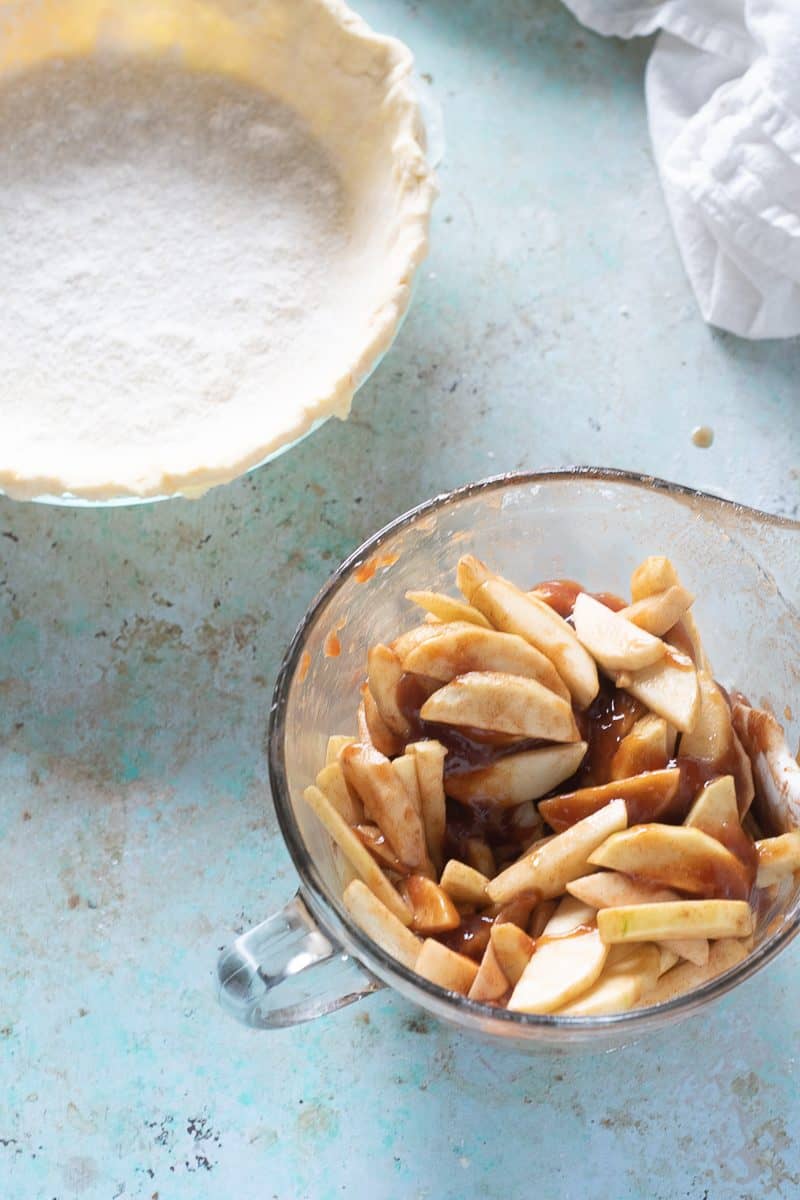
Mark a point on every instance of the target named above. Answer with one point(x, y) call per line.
point(211, 216)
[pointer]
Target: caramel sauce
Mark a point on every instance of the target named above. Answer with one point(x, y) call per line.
point(466, 748)
point(611, 715)
point(470, 938)
point(303, 669)
point(561, 595)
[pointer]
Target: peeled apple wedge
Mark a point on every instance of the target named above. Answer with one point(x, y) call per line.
point(659, 612)
point(655, 573)
point(647, 797)
point(513, 949)
point(429, 759)
point(513, 611)
point(450, 970)
point(715, 808)
point(464, 884)
point(612, 641)
point(490, 983)
point(518, 777)
point(432, 910)
point(711, 736)
point(503, 704)
point(457, 651)
point(570, 915)
point(778, 857)
point(554, 863)
point(558, 972)
point(648, 747)
point(384, 797)
point(676, 919)
point(611, 889)
point(668, 688)
point(373, 730)
point(384, 673)
point(445, 608)
point(685, 977)
point(623, 981)
point(675, 856)
point(776, 771)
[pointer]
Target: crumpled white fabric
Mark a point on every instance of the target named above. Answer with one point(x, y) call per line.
point(723, 99)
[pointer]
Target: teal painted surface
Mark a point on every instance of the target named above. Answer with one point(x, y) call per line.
point(138, 648)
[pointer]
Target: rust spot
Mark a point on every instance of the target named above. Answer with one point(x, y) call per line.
point(74, 900)
point(305, 663)
point(26, 816)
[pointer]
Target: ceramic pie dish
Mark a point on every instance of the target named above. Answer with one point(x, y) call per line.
point(213, 213)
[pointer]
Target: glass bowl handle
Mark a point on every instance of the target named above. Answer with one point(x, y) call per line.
point(287, 970)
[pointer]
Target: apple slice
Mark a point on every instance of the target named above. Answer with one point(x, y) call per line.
point(445, 967)
point(612, 641)
point(464, 884)
point(480, 856)
point(386, 800)
point(513, 949)
point(332, 782)
point(694, 950)
point(611, 889)
point(384, 672)
point(715, 810)
point(405, 768)
point(513, 611)
point(711, 737)
point(429, 758)
point(373, 730)
point(777, 858)
point(518, 777)
point(676, 919)
point(655, 574)
point(541, 914)
point(675, 856)
point(668, 958)
point(373, 840)
point(570, 915)
point(404, 643)
point(445, 608)
point(647, 796)
point(432, 910)
point(646, 748)
point(668, 688)
point(776, 771)
point(548, 868)
point(336, 745)
point(380, 924)
point(623, 981)
point(723, 955)
point(356, 854)
point(559, 972)
point(502, 704)
point(457, 651)
point(659, 612)
point(490, 983)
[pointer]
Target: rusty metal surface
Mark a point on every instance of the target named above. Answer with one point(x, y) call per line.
point(138, 648)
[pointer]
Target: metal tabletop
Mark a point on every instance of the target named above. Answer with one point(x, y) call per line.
point(552, 324)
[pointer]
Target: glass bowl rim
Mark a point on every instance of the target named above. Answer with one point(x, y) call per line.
point(462, 1007)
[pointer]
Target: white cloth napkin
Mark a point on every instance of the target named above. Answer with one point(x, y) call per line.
point(723, 99)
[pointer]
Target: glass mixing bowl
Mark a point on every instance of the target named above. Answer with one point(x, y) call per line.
point(743, 566)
